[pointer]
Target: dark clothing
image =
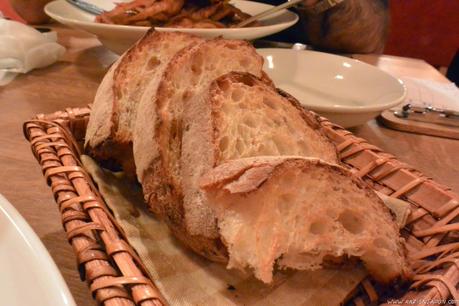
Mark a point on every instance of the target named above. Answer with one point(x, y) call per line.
point(453, 70)
point(295, 34)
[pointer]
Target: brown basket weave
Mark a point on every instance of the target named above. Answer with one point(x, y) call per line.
point(116, 275)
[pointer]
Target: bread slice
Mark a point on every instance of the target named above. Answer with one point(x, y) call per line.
point(240, 116)
point(100, 125)
point(110, 127)
point(250, 118)
point(301, 213)
point(186, 80)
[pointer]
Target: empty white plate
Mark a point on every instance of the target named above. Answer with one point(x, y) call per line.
point(28, 275)
point(346, 91)
point(119, 38)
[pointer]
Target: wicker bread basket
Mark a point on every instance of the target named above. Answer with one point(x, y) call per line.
point(116, 275)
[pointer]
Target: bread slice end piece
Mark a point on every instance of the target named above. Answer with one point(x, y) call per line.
point(304, 214)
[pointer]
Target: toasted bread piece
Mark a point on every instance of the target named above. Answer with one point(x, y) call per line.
point(250, 118)
point(100, 123)
point(240, 116)
point(186, 79)
point(109, 133)
point(301, 213)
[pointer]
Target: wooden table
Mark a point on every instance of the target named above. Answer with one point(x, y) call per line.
point(72, 82)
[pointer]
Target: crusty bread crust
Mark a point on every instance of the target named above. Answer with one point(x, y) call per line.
point(124, 88)
point(100, 125)
point(103, 122)
point(128, 79)
point(247, 179)
point(159, 48)
point(170, 127)
point(185, 81)
point(187, 77)
point(160, 195)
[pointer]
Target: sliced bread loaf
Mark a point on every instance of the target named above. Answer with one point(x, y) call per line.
point(100, 124)
point(109, 133)
point(301, 213)
point(240, 116)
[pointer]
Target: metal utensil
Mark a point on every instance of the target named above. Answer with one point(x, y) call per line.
point(87, 7)
point(428, 114)
point(263, 43)
point(268, 12)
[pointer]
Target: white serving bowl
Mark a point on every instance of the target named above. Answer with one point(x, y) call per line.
point(28, 274)
point(119, 38)
point(346, 91)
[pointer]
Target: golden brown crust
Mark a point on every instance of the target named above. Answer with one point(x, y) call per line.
point(212, 249)
point(162, 187)
point(169, 132)
point(129, 83)
point(158, 186)
point(120, 76)
point(169, 207)
point(169, 127)
point(114, 147)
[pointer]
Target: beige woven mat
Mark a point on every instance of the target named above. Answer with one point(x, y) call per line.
point(186, 279)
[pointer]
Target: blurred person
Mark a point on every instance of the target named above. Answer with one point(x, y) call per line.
point(347, 26)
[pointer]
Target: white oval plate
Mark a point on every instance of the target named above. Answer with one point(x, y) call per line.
point(119, 38)
point(28, 275)
point(346, 91)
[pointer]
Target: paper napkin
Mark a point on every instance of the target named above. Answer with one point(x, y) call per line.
point(22, 48)
point(431, 93)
